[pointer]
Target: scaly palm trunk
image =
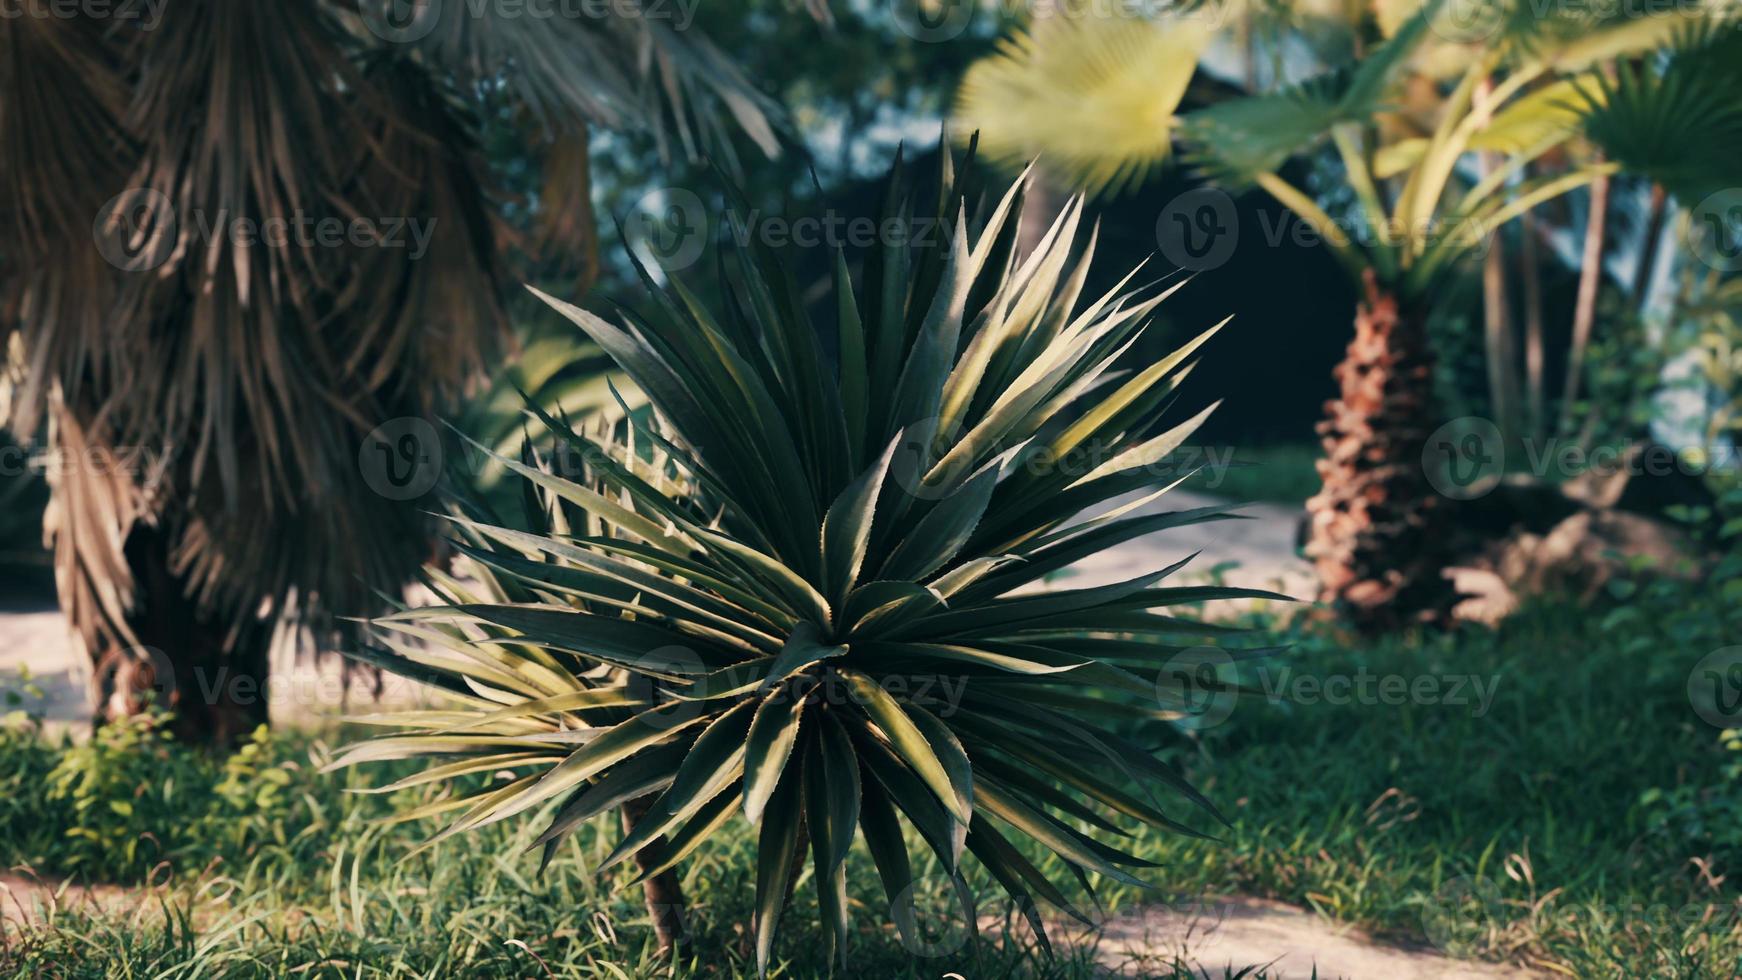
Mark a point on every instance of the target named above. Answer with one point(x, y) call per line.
point(662, 893)
point(1373, 537)
point(186, 659)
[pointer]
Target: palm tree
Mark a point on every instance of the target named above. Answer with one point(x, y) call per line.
point(1404, 121)
point(253, 250)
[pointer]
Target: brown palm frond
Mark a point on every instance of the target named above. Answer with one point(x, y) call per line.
point(97, 496)
point(217, 330)
point(63, 154)
point(617, 68)
point(567, 231)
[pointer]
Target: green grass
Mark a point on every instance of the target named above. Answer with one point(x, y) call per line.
point(1281, 473)
point(1585, 821)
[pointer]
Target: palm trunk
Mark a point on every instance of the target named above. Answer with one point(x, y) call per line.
point(1373, 524)
point(1585, 308)
point(1535, 356)
point(1656, 212)
point(662, 893)
point(1497, 336)
point(1497, 333)
point(186, 659)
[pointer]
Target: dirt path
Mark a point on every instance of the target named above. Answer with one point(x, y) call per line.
point(25, 900)
point(1215, 938)
point(1231, 934)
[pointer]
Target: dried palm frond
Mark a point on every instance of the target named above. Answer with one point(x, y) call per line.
point(255, 366)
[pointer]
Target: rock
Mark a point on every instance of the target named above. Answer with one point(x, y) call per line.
point(1578, 556)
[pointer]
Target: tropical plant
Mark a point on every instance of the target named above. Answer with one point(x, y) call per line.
point(251, 371)
point(566, 375)
point(1407, 120)
point(806, 589)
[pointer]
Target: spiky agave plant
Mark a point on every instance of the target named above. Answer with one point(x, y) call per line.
point(814, 601)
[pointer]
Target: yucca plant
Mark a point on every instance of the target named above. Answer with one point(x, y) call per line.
point(1440, 144)
point(806, 591)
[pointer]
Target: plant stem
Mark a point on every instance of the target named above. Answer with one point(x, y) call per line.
point(1530, 273)
point(1585, 307)
point(663, 892)
point(1496, 300)
point(1648, 251)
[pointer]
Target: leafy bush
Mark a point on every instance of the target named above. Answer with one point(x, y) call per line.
point(131, 804)
point(802, 592)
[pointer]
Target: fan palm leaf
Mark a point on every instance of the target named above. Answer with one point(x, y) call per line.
point(1094, 96)
point(1678, 120)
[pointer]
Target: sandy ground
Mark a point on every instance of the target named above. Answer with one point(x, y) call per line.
point(1230, 934)
point(1216, 938)
point(1256, 551)
point(1211, 935)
